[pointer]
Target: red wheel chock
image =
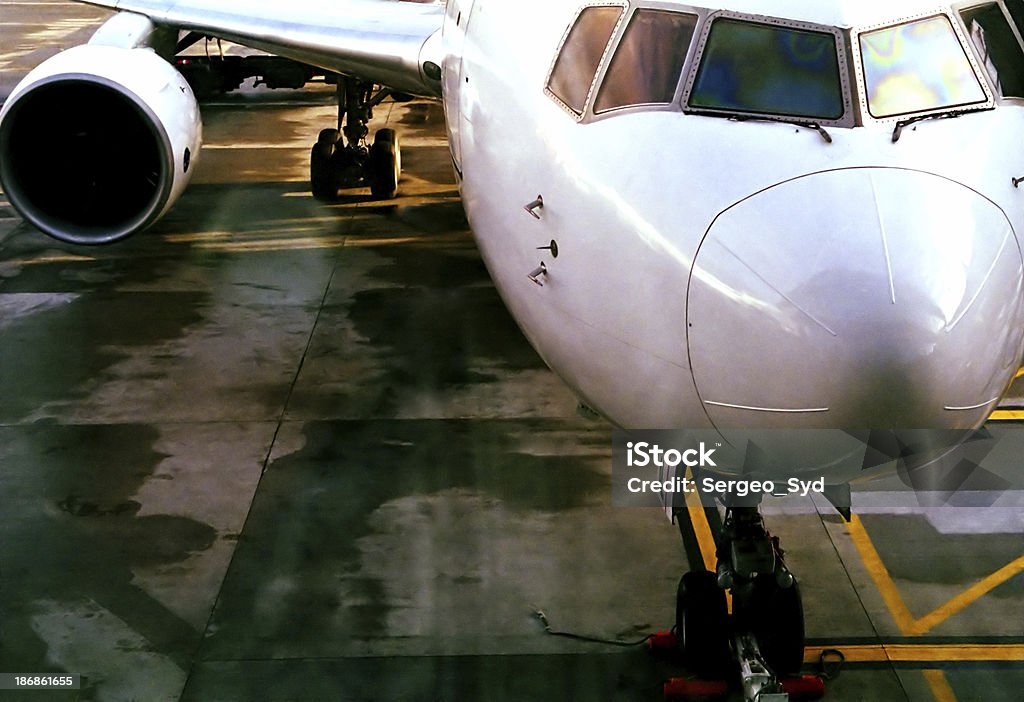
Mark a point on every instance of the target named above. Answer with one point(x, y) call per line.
point(804, 687)
point(663, 641)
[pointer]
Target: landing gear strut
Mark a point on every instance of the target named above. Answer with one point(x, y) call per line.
point(341, 157)
point(764, 635)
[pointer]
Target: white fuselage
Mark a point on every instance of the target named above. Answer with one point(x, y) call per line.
point(720, 273)
point(773, 214)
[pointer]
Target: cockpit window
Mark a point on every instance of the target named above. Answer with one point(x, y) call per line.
point(648, 61)
point(998, 48)
point(917, 66)
point(581, 54)
point(755, 68)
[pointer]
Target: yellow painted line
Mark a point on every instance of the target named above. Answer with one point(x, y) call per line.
point(906, 622)
point(42, 260)
point(198, 236)
point(261, 146)
point(880, 575)
point(1020, 374)
point(922, 653)
point(395, 240)
point(941, 690)
point(273, 229)
point(82, 22)
point(702, 529)
point(237, 241)
point(299, 243)
point(861, 653)
point(969, 596)
point(1006, 415)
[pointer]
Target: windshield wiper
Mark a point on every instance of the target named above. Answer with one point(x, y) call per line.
point(798, 122)
point(948, 114)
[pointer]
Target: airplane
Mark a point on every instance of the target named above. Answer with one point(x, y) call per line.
point(745, 214)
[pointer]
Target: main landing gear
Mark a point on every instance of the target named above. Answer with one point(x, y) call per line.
point(341, 157)
point(764, 635)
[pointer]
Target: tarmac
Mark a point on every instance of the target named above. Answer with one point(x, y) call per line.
point(272, 449)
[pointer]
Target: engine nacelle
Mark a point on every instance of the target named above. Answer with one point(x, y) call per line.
point(97, 142)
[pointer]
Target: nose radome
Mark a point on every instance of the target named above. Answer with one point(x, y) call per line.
point(856, 298)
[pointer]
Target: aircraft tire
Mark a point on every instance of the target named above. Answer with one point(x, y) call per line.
point(384, 165)
point(323, 178)
point(388, 134)
point(328, 136)
point(702, 625)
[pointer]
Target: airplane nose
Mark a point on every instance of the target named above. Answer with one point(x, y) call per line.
point(858, 298)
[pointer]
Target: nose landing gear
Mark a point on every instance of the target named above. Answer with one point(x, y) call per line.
point(766, 596)
point(764, 635)
point(341, 157)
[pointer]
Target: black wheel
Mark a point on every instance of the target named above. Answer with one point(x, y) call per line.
point(384, 165)
point(328, 136)
point(775, 616)
point(702, 625)
point(323, 175)
point(388, 134)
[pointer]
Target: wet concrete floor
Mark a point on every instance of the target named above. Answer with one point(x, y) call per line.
point(278, 450)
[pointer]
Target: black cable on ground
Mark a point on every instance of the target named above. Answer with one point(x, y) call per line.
point(592, 639)
point(831, 663)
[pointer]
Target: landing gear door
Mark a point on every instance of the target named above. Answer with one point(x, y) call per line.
point(455, 25)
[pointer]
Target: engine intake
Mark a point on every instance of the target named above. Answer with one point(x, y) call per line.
point(98, 142)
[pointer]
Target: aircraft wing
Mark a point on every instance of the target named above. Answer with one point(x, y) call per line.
point(383, 41)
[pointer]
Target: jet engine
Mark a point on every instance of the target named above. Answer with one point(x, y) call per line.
point(98, 141)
